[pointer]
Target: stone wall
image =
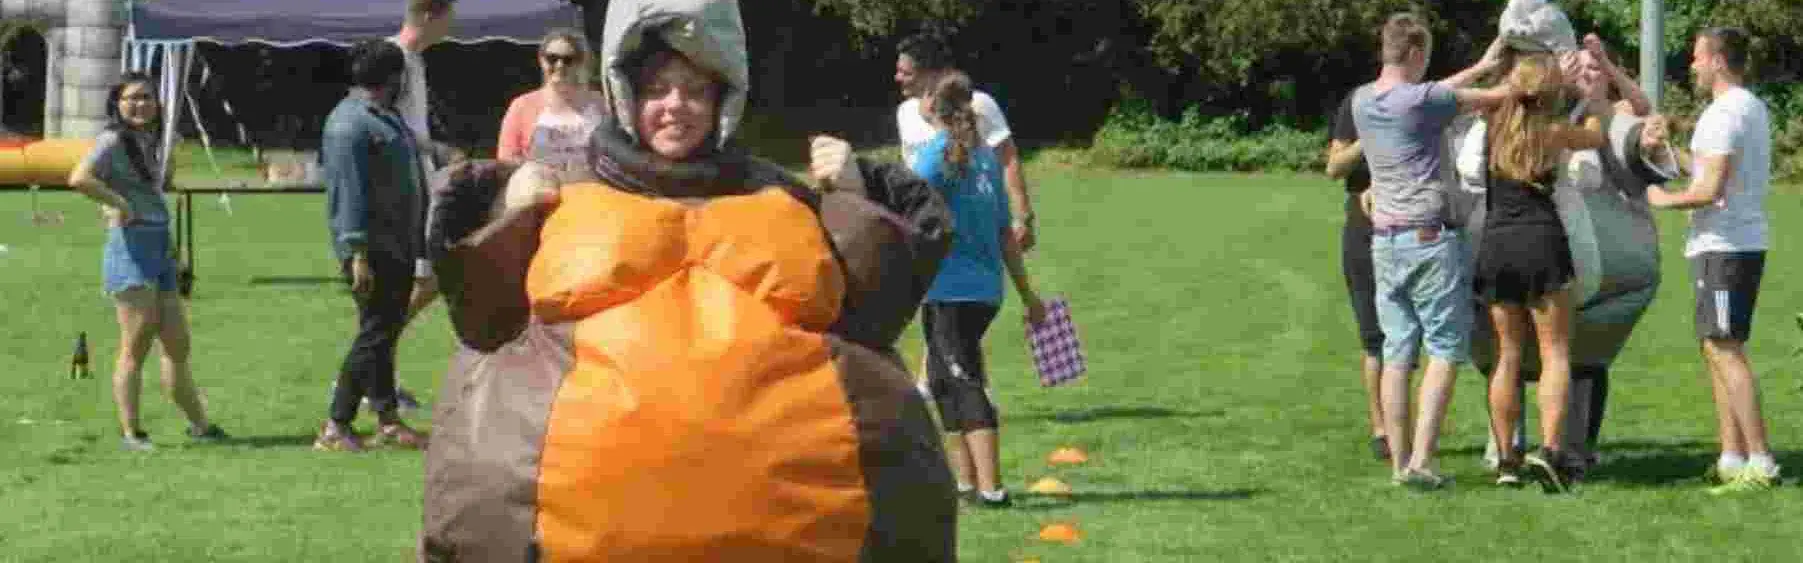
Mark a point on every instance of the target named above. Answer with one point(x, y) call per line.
point(82, 48)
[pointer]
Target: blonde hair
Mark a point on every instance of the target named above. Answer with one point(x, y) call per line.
point(1522, 129)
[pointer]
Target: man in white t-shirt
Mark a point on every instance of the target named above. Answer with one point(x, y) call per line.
point(922, 59)
point(426, 23)
point(1726, 246)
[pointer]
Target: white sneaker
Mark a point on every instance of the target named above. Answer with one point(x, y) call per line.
point(138, 443)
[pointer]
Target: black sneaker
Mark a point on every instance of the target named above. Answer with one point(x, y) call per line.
point(1004, 502)
point(1551, 468)
point(213, 433)
point(1380, 448)
point(1508, 474)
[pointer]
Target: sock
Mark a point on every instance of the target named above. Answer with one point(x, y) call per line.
point(1764, 463)
point(995, 495)
point(1730, 462)
point(965, 488)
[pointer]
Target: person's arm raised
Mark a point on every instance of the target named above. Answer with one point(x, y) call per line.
point(1475, 99)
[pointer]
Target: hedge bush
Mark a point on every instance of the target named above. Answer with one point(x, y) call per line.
point(1134, 136)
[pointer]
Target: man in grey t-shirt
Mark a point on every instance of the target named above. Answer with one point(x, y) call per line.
point(1419, 260)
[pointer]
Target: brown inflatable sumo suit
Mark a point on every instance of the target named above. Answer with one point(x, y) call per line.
point(688, 362)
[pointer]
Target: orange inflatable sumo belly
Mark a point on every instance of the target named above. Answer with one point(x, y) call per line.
point(644, 380)
point(703, 418)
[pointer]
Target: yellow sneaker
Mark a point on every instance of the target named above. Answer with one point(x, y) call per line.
point(1747, 480)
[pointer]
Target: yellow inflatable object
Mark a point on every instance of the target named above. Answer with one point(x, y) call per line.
point(47, 162)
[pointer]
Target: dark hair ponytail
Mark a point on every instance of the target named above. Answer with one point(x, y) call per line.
point(115, 122)
point(951, 105)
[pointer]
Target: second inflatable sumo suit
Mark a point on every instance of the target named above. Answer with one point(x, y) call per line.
point(685, 361)
point(1601, 197)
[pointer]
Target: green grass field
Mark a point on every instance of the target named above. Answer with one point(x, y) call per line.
point(1222, 410)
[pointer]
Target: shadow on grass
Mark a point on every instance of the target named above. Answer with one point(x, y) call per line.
point(1109, 413)
point(262, 442)
point(1653, 469)
point(1611, 448)
point(1035, 501)
point(295, 280)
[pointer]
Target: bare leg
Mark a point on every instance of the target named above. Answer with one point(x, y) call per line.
point(962, 467)
point(1395, 390)
point(983, 454)
point(1436, 392)
point(1726, 429)
point(178, 381)
point(1552, 326)
point(137, 313)
point(1735, 376)
point(1505, 379)
point(1372, 373)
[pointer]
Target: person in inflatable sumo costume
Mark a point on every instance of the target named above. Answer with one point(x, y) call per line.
point(1601, 204)
point(692, 357)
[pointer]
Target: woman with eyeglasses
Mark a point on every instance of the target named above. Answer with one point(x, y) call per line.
point(550, 127)
point(125, 175)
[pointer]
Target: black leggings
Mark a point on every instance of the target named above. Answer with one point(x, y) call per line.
point(955, 377)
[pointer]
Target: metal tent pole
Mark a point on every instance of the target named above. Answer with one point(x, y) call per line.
point(1652, 49)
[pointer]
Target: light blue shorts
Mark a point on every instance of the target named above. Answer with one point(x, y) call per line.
point(1424, 296)
point(138, 256)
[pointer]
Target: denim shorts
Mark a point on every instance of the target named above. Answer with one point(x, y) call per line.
point(138, 256)
point(1424, 296)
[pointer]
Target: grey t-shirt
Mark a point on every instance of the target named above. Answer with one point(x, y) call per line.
point(110, 164)
point(1403, 132)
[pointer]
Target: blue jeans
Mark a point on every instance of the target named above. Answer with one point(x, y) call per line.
point(1424, 294)
point(138, 256)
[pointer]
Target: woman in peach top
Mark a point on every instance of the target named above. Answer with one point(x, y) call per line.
point(551, 126)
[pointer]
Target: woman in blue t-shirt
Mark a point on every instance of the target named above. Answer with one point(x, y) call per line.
point(138, 264)
point(967, 293)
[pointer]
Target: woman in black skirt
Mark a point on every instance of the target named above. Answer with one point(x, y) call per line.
point(1524, 266)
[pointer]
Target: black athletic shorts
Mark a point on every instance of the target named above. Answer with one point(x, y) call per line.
point(1361, 279)
point(955, 376)
point(1727, 286)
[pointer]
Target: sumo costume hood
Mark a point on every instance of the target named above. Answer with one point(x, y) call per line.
point(685, 363)
point(707, 32)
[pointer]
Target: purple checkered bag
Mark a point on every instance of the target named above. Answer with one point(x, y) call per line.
point(1057, 353)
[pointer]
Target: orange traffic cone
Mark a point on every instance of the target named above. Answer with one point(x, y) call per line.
point(1060, 532)
point(1049, 486)
point(1067, 455)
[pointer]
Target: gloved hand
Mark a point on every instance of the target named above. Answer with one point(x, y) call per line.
point(832, 166)
point(528, 185)
point(463, 197)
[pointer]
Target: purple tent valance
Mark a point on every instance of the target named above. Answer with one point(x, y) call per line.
point(339, 22)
